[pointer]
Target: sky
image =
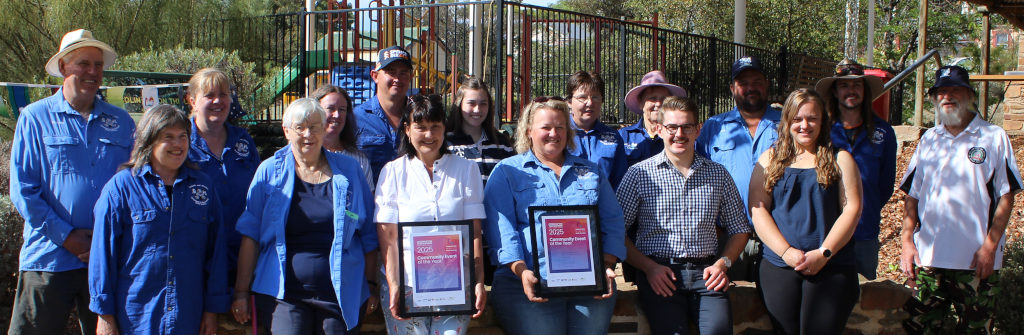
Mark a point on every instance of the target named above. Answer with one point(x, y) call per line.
point(547, 3)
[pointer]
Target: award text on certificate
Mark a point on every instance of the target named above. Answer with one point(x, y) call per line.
point(437, 269)
point(568, 244)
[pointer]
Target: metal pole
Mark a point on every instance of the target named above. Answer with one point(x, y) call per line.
point(739, 32)
point(499, 40)
point(922, 34)
point(985, 46)
point(476, 40)
point(622, 72)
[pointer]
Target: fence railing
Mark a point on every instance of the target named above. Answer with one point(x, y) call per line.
point(521, 51)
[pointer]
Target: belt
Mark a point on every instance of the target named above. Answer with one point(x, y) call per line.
point(686, 260)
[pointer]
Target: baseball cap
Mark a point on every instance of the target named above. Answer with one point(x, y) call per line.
point(390, 55)
point(746, 63)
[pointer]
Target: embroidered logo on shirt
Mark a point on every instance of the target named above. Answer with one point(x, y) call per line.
point(607, 138)
point(241, 149)
point(878, 136)
point(977, 155)
point(109, 123)
point(630, 146)
point(200, 194)
point(582, 171)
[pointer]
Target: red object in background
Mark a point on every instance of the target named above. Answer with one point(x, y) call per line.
point(881, 104)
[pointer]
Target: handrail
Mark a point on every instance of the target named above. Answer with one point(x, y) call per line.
point(910, 69)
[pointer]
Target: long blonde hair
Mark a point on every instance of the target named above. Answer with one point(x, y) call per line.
point(784, 150)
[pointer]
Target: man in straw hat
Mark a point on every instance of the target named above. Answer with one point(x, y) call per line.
point(641, 139)
point(960, 185)
point(737, 138)
point(872, 143)
point(65, 148)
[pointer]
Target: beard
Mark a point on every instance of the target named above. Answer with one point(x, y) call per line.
point(953, 116)
point(750, 103)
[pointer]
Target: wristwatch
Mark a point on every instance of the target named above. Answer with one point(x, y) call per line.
point(826, 252)
point(727, 261)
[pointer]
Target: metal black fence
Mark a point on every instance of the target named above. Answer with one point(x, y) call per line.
point(521, 51)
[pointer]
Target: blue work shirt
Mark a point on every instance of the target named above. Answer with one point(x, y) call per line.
point(726, 140)
point(875, 154)
point(355, 234)
point(603, 146)
point(638, 144)
point(232, 175)
point(521, 181)
point(158, 261)
point(59, 164)
point(375, 136)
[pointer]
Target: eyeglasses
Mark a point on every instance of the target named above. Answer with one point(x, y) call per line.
point(314, 129)
point(850, 69)
point(688, 128)
point(584, 98)
point(546, 98)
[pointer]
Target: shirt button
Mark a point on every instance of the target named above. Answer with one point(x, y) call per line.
point(170, 308)
point(167, 208)
point(171, 257)
point(170, 282)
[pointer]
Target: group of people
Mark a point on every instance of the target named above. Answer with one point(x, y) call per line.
point(159, 227)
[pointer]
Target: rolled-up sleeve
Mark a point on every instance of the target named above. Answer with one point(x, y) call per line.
point(500, 231)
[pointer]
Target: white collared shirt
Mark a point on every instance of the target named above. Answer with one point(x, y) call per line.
point(407, 193)
point(957, 181)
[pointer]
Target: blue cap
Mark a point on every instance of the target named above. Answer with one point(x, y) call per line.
point(951, 76)
point(746, 63)
point(390, 55)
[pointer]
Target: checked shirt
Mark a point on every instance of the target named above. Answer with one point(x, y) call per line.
point(677, 215)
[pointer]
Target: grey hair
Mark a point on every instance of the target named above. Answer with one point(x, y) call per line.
point(154, 121)
point(301, 110)
point(524, 143)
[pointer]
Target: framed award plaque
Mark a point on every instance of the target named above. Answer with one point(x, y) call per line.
point(435, 261)
point(567, 255)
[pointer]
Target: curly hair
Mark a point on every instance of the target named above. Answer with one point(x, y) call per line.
point(784, 150)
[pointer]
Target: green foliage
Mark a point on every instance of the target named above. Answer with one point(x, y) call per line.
point(1010, 291)
point(182, 60)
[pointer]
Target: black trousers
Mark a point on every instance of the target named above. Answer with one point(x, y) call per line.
point(818, 304)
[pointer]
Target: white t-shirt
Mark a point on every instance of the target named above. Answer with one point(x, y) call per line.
point(957, 182)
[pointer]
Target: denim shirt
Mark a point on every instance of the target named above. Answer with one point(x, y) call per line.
point(875, 154)
point(158, 261)
point(725, 139)
point(355, 233)
point(521, 181)
point(231, 174)
point(603, 146)
point(59, 164)
point(375, 137)
point(638, 144)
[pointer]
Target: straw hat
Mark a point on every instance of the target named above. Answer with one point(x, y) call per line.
point(653, 78)
point(73, 41)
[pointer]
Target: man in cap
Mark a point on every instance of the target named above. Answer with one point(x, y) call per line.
point(65, 148)
point(641, 139)
point(737, 138)
point(872, 143)
point(595, 141)
point(960, 185)
point(378, 118)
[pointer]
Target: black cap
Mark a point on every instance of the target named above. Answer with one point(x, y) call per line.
point(746, 63)
point(951, 76)
point(390, 55)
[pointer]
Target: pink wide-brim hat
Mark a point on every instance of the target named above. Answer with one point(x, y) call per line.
point(653, 78)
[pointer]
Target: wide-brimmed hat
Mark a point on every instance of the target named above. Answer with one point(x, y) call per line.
point(651, 79)
point(849, 69)
point(390, 55)
point(73, 41)
point(951, 76)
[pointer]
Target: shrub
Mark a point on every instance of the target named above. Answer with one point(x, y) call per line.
point(1010, 291)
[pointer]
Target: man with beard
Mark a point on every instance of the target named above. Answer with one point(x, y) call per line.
point(960, 185)
point(872, 143)
point(737, 138)
point(378, 117)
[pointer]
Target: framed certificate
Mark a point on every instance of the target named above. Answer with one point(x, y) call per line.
point(567, 255)
point(435, 262)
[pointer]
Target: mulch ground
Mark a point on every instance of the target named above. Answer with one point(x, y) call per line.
point(892, 215)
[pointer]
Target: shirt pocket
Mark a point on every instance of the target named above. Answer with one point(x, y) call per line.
point(530, 193)
point(145, 234)
point(59, 151)
point(589, 188)
point(113, 151)
point(194, 229)
point(371, 141)
point(722, 152)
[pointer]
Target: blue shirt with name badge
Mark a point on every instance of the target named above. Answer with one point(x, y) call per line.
point(375, 136)
point(638, 144)
point(231, 176)
point(603, 146)
point(875, 154)
point(726, 140)
point(59, 164)
point(158, 260)
point(521, 181)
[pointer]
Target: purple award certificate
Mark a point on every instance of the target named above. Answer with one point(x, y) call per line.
point(568, 244)
point(437, 269)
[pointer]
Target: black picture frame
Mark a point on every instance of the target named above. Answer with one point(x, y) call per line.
point(412, 299)
point(546, 286)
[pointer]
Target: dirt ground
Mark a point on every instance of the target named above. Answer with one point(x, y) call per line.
point(892, 215)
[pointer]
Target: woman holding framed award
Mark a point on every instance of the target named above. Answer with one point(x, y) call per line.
point(805, 202)
point(556, 228)
point(424, 185)
point(308, 242)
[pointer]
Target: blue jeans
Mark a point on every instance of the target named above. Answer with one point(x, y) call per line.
point(866, 252)
point(582, 315)
point(690, 301)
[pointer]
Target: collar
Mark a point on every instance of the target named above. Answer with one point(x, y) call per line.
point(770, 114)
point(230, 139)
point(570, 160)
point(440, 161)
point(65, 107)
point(973, 127)
point(598, 127)
point(184, 172)
point(373, 106)
point(662, 161)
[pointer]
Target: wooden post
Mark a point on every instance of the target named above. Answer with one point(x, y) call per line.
point(922, 34)
point(985, 46)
